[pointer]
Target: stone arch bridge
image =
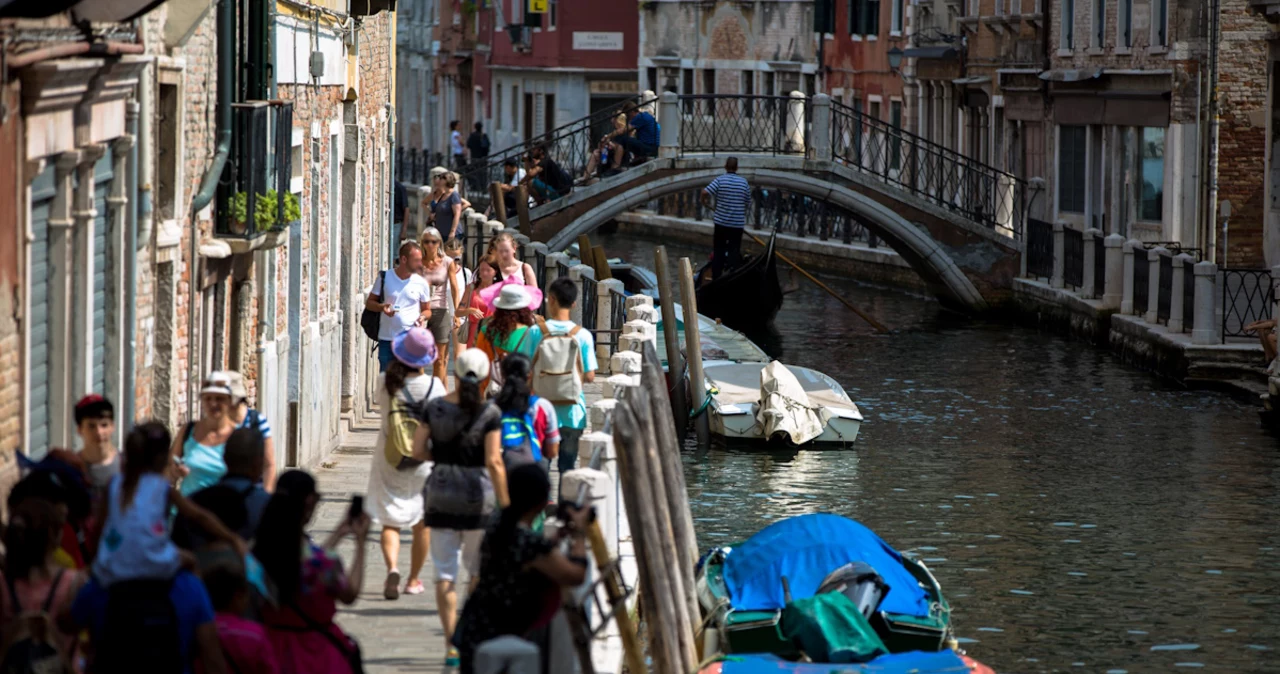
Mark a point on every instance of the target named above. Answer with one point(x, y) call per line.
point(958, 222)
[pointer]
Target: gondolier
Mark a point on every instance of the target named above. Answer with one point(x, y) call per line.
point(732, 198)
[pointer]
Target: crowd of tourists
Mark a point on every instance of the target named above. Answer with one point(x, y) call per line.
point(187, 550)
point(173, 552)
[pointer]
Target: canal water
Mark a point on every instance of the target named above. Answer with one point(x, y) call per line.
point(1079, 514)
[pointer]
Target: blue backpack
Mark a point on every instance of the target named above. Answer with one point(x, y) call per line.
point(519, 441)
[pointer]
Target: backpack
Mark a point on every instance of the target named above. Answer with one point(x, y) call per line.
point(33, 645)
point(484, 144)
point(371, 321)
point(402, 423)
point(495, 367)
point(520, 444)
point(141, 632)
point(557, 366)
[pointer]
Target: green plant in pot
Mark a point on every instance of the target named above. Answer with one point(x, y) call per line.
point(292, 209)
point(239, 212)
point(265, 210)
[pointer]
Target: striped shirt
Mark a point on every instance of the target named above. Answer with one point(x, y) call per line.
point(264, 427)
point(733, 195)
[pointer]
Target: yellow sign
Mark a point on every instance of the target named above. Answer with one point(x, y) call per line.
point(538, 6)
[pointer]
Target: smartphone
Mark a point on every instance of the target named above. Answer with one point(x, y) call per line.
point(357, 507)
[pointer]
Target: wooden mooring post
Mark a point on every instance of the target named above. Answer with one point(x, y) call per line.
point(693, 351)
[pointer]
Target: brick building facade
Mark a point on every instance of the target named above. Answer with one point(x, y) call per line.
point(174, 288)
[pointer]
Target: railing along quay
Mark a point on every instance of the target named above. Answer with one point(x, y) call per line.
point(1162, 282)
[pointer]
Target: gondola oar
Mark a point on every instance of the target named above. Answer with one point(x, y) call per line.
point(861, 314)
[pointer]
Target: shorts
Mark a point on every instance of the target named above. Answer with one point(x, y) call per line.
point(441, 326)
point(634, 146)
point(451, 548)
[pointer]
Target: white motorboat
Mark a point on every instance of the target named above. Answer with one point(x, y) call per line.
point(781, 403)
point(719, 343)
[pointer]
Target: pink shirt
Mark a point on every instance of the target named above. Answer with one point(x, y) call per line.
point(245, 642)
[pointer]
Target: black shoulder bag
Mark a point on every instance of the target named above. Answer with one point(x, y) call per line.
point(371, 321)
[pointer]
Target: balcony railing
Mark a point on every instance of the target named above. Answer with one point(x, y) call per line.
point(1073, 257)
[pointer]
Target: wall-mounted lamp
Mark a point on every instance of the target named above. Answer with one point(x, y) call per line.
point(895, 59)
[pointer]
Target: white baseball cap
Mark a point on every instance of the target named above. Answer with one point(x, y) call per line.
point(471, 363)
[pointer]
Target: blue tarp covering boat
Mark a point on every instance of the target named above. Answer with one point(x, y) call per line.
point(805, 549)
point(915, 662)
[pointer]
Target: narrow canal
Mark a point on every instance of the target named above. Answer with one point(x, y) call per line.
point(1080, 515)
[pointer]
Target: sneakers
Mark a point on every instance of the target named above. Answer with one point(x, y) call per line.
point(391, 588)
point(414, 587)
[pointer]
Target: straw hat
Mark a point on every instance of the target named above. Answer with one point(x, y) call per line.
point(512, 297)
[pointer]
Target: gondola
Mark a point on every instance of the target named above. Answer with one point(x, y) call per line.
point(747, 296)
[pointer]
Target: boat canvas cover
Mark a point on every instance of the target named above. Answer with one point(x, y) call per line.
point(805, 549)
point(830, 628)
point(915, 662)
point(786, 408)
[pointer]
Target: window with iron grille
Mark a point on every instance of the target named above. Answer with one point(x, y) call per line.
point(1071, 168)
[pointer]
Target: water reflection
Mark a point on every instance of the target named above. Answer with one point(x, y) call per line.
point(1078, 513)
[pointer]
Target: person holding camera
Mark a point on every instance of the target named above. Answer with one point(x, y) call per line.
point(524, 572)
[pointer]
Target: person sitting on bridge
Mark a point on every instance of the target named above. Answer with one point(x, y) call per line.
point(640, 138)
point(548, 180)
point(733, 197)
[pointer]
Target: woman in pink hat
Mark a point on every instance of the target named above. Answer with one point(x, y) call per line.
point(396, 479)
point(505, 331)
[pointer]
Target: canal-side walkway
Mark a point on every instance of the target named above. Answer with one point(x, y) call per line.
point(395, 636)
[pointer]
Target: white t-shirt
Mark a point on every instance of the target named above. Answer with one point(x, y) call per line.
point(455, 140)
point(517, 177)
point(404, 295)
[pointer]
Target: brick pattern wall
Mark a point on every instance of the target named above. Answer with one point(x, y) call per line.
point(1242, 92)
point(11, 343)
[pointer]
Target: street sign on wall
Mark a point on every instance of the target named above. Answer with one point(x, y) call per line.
point(538, 6)
point(595, 41)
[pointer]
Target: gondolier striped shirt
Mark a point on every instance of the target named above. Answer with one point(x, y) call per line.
point(733, 196)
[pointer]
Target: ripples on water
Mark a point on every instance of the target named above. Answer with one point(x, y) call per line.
point(1079, 514)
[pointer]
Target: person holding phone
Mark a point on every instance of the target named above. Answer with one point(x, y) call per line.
point(309, 579)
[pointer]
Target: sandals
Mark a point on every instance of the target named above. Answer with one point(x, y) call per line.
point(415, 587)
point(391, 588)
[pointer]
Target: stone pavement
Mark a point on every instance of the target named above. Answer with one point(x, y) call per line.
point(395, 636)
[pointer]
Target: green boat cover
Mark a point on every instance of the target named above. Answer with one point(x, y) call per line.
point(829, 628)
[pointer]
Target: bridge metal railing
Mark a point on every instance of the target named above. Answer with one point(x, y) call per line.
point(945, 177)
point(788, 212)
point(714, 123)
point(570, 146)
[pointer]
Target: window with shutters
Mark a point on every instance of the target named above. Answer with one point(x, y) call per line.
point(864, 17)
point(896, 17)
point(1124, 24)
point(43, 191)
point(1099, 24)
point(1068, 19)
point(1071, 168)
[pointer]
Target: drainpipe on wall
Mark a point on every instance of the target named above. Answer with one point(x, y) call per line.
point(1210, 209)
point(129, 404)
point(209, 185)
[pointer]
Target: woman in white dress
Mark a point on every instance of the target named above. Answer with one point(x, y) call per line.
point(395, 490)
